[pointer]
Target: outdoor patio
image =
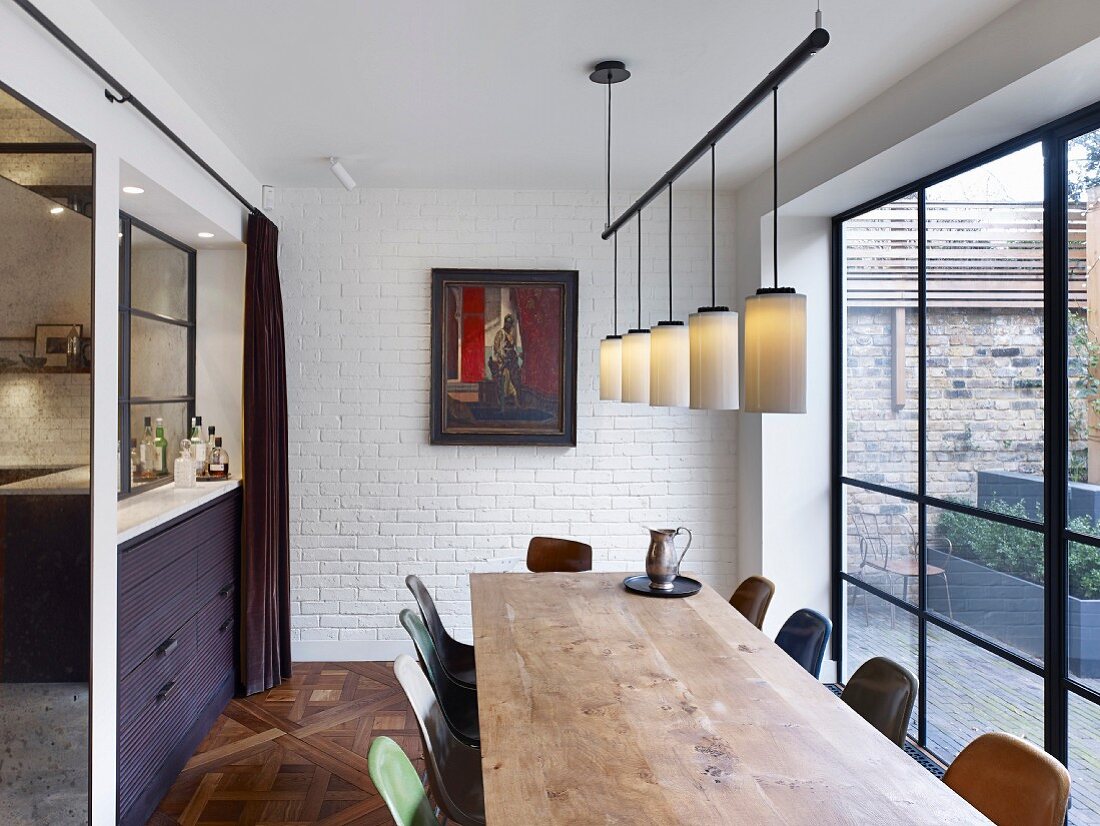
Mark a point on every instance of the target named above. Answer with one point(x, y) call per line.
point(971, 691)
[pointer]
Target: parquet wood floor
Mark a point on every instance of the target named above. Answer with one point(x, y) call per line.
point(296, 754)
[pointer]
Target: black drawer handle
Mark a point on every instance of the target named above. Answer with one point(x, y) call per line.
point(165, 690)
point(225, 626)
point(167, 647)
point(226, 591)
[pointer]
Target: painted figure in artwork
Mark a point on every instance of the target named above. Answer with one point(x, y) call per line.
point(505, 364)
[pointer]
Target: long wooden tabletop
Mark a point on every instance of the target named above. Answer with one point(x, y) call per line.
point(600, 706)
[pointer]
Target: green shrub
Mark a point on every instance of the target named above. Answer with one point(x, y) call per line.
point(1018, 551)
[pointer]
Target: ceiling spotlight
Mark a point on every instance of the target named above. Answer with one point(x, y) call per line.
point(341, 174)
point(57, 210)
point(206, 235)
point(132, 190)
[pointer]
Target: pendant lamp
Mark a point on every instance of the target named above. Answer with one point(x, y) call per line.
point(775, 325)
point(712, 333)
point(608, 73)
point(670, 352)
point(636, 346)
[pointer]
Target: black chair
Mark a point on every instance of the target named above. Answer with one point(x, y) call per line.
point(804, 636)
point(882, 693)
point(459, 703)
point(456, 657)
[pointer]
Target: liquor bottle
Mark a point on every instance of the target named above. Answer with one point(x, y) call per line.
point(198, 446)
point(161, 446)
point(209, 449)
point(72, 349)
point(184, 467)
point(147, 449)
point(136, 467)
point(219, 461)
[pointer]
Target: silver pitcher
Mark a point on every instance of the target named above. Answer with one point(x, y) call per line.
point(662, 566)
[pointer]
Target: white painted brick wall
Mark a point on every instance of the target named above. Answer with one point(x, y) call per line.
point(372, 501)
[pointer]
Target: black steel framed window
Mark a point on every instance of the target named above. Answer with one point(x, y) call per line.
point(966, 443)
point(156, 378)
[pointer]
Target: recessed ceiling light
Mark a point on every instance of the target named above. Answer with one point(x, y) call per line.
point(206, 235)
point(57, 210)
point(132, 190)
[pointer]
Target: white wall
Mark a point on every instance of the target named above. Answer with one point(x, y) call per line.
point(38, 68)
point(372, 501)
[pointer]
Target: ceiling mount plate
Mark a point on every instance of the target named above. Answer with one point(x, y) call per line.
point(609, 71)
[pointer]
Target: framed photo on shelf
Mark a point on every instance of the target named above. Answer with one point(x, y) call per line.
point(504, 357)
point(51, 342)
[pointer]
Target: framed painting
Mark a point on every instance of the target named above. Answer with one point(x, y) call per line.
point(504, 357)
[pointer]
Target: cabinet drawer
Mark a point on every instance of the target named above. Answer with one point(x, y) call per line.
point(217, 642)
point(167, 662)
point(146, 740)
point(153, 610)
point(217, 568)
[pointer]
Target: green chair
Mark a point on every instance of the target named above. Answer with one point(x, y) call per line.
point(396, 780)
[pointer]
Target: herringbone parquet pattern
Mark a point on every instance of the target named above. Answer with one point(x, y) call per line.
point(296, 754)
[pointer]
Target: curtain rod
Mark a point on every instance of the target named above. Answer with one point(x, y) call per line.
point(817, 40)
point(125, 96)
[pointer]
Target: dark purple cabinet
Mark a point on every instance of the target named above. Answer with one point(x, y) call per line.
point(177, 644)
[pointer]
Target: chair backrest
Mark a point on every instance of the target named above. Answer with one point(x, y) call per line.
point(454, 769)
point(547, 555)
point(804, 636)
point(425, 648)
point(752, 598)
point(1010, 781)
point(398, 783)
point(428, 612)
point(882, 693)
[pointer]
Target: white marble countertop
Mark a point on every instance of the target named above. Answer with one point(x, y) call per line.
point(75, 480)
point(142, 513)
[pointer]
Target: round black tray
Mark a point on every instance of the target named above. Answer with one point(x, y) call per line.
point(682, 586)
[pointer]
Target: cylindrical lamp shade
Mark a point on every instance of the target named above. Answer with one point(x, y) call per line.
point(775, 351)
point(669, 365)
point(636, 366)
point(714, 372)
point(611, 369)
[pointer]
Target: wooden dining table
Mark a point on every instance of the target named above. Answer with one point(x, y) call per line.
point(601, 706)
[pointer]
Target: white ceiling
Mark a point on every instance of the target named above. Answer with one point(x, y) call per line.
point(494, 93)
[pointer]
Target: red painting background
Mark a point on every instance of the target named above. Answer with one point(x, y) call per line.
point(540, 322)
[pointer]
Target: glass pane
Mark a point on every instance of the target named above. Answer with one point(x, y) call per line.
point(158, 276)
point(158, 359)
point(880, 381)
point(143, 459)
point(1084, 761)
point(971, 691)
point(1083, 368)
point(1083, 614)
point(987, 577)
point(882, 542)
point(985, 335)
point(875, 628)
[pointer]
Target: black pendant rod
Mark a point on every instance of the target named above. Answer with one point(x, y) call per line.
point(608, 221)
point(817, 40)
point(713, 235)
point(639, 327)
point(670, 251)
point(615, 267)
point(775, 186)
point(123, 95)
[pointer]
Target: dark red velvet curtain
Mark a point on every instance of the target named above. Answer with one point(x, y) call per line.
point(540, 322)
point(265, 546)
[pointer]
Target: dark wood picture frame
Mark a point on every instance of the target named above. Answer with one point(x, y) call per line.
point(444, 430)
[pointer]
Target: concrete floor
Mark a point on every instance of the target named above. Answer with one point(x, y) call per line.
point(43, 754)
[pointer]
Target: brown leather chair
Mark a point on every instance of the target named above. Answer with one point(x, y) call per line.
point(547, 555)
point(752, 598)
point(1010, 781)
point(882, 693)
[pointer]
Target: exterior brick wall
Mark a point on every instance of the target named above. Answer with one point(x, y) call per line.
point(372, 501)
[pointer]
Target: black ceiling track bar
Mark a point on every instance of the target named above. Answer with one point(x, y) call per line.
point(817, 40)
point(122, 95)
point(27, 148)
